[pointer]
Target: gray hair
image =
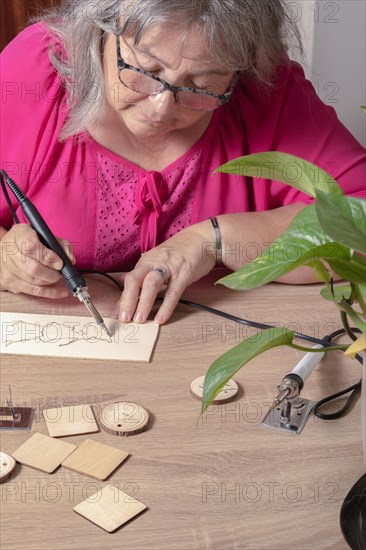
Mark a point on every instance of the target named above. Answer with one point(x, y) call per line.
point(246, 35)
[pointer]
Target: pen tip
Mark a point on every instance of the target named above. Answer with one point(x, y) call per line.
point(103, 325)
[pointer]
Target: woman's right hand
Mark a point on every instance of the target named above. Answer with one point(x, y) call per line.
point(30, 267)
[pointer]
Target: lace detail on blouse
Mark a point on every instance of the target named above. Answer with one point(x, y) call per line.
point(137, 209)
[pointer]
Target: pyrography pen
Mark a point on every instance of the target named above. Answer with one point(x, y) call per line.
point(293, 382)
point(74, 281)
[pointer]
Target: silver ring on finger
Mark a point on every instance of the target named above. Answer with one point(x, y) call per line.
point(163, 272)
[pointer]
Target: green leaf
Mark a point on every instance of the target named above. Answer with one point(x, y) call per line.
point(343, 219)
point(230, 362)
point(363, 107)
point(341, 291)
point(353, 270)
point(286, 168)
point(306, 216)
point(303, 243)
point(320, 271)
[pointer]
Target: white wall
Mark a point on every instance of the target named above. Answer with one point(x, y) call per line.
point(334, 35)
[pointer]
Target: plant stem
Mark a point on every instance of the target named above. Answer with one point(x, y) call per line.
point(346, 326)
point(353, 295)
point(343, 304)
point(318, 350)
point(360, 299)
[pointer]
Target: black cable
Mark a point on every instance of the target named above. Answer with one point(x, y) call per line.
point(327, 341)
point(332, 416)
point(7, 198)
point(110, 277)
point(354, 389)
point(228, 316)
point(341, 331)
point(254, 324)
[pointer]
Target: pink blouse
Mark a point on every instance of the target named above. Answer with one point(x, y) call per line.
point(110, 208)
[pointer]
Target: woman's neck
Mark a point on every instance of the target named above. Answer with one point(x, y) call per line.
point(151, 152)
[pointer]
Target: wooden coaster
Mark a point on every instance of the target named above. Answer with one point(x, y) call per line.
point(109, 508)
point(7, 465)
point(43, 452)
point(123, 418)
point(227, 393)
point(71, 420)
point(95, 459)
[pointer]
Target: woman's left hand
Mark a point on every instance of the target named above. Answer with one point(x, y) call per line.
point(175, 264)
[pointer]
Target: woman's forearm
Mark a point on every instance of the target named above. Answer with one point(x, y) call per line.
point(245, 236)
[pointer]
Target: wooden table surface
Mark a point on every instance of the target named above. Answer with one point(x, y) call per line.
point(224, 483)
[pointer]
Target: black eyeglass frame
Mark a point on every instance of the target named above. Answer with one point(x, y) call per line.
point(224, 98)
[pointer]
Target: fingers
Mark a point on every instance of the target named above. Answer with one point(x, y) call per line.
point(44, 291)
point(141, 281)
point(30, 267)
point(141, 288)
point(152, 285)
point(171, 299)
point(171, 266)
point(23, 249)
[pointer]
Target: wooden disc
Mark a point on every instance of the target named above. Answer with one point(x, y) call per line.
point(7, 465)
point(123, 418)
point(227, 393)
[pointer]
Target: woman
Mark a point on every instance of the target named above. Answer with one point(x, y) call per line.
point(116, 113)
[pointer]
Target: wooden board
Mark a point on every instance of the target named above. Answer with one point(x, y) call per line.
point(109, 508)
point(71, 420)
point(79, 337)
point(43, 452)
point(95, 459)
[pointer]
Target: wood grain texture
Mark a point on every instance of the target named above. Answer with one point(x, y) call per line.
point(43, 452)
point(224, 483)
point(72, 420)
point(95, 459)
point(110, 508)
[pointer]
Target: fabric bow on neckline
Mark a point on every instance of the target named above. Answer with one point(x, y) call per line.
point(148, 208)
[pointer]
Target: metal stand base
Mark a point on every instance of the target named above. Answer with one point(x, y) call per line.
point(290, 417)
point(16, 418)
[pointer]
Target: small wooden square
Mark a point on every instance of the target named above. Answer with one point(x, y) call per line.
point(43, 452)
point(71, 420)
point(95, 459)
point(109, 508)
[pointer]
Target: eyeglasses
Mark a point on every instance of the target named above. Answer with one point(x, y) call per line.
point(144, 82)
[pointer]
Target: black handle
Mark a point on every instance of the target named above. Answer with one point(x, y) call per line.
point(73, 279)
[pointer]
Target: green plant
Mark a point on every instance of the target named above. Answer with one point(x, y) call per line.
point(328, 236)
